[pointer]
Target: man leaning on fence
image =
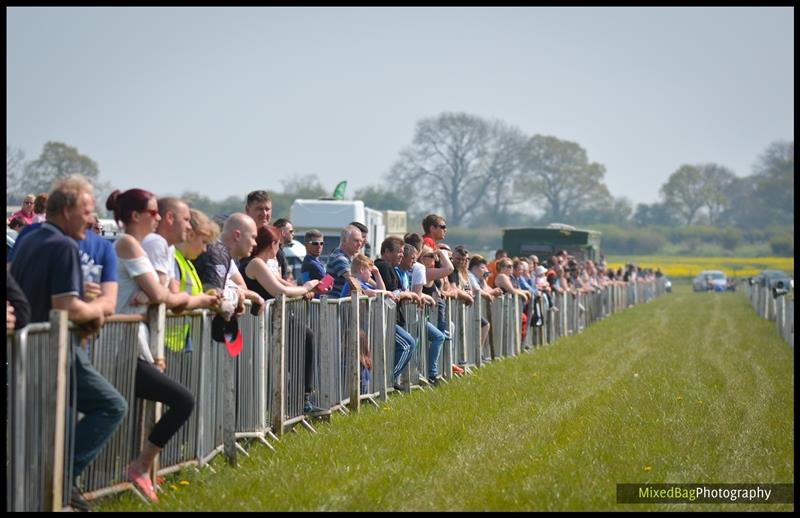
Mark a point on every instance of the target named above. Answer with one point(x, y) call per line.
point(47, 267)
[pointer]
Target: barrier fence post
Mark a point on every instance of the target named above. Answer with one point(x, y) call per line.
point(54, 465)
point(379, 355)
point(354, 349)
point(278, 365)
point(156, 317)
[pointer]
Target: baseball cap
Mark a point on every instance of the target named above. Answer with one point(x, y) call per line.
point(540, 270)
point(227, 332)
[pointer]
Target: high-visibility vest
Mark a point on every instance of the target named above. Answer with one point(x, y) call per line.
point(186, 268)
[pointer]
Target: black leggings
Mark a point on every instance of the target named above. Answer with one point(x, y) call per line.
point(154, 385)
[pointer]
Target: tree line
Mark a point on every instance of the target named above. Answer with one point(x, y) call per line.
point(481, 172)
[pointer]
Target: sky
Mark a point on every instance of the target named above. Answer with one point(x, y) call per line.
point(223, 101)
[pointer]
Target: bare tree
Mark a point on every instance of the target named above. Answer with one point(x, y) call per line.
point(503, 167)
point(446, 166)
point(15, 164)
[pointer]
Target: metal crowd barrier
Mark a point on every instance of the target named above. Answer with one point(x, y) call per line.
point(260, 393)
point(38, 363)
point(778, 309)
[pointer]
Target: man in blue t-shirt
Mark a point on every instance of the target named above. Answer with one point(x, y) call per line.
point(96, 255)
point(312, 267)
point(47, 267)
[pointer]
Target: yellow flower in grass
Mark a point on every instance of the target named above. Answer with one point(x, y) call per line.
point(173, 487)
point(648, 467)
point(184, 482)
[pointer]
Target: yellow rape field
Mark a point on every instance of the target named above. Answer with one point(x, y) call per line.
point(683, 266)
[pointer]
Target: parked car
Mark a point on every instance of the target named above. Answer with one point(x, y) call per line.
point(710, 280)
point(773, 279)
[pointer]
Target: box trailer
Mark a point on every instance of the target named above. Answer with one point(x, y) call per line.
point(331, 216)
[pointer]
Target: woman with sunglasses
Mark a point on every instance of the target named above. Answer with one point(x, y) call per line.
point(139, 286)
point(26, 212)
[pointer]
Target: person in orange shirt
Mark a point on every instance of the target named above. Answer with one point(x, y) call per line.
point(499, 254)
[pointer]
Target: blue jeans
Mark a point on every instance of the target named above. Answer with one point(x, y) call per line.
point(404, 345)
point(365, 376)
point(436, 339)
point(103, 407)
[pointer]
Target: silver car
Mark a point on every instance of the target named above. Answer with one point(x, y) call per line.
point(710, 280)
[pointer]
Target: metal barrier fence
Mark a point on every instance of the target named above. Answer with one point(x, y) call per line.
point(778, 309)
point(262, 392)
point(38, 436)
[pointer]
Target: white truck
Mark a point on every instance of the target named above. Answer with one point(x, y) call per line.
point(331, 216)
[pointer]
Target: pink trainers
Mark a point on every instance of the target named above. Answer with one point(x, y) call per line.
point(142, 483)
point(457, 370)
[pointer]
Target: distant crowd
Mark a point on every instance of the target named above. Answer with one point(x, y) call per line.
point(172, 254)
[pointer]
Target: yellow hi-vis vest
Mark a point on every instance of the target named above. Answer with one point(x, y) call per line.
point(176, 332)
point(187, 270)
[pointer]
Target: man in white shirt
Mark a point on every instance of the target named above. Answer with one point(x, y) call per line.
point(160, 247)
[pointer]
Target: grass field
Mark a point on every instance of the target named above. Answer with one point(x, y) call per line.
point(688, 388)
point(679, 266)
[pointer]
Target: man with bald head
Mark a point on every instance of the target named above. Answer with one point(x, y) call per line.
point(216, 267)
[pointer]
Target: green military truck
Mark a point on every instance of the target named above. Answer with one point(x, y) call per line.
point(546, 241)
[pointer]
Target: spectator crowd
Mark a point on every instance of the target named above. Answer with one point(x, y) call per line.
point(172, 254)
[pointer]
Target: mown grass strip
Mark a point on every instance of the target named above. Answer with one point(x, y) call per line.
point(688, 388)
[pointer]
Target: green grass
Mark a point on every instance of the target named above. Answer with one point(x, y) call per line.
point(688, 388)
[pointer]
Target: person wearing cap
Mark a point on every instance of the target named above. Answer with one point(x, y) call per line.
point(139, 286)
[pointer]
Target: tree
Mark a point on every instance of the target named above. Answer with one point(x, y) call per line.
point(716, 181)
point(654, 214)
point(57, 160)
point(558, 173)
point(774, 174)
point(15, 164)
point(446, 165)
point(685, 192)
point(611, 211)
point(307, 186)
point(381, 198)
point(503, 162)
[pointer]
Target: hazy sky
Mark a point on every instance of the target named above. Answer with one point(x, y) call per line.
point(227, 100)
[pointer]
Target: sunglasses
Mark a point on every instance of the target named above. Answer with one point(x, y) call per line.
point(428, 256)
point(316, 243)
point(444, 227)
point(152, 212)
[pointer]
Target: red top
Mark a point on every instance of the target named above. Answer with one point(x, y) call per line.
point(27, 218)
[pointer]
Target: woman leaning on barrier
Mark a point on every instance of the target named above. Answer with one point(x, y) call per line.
point(139, 286)
point(262, 275)
point(204, 231)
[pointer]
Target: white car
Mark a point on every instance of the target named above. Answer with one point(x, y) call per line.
point(710, 280)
